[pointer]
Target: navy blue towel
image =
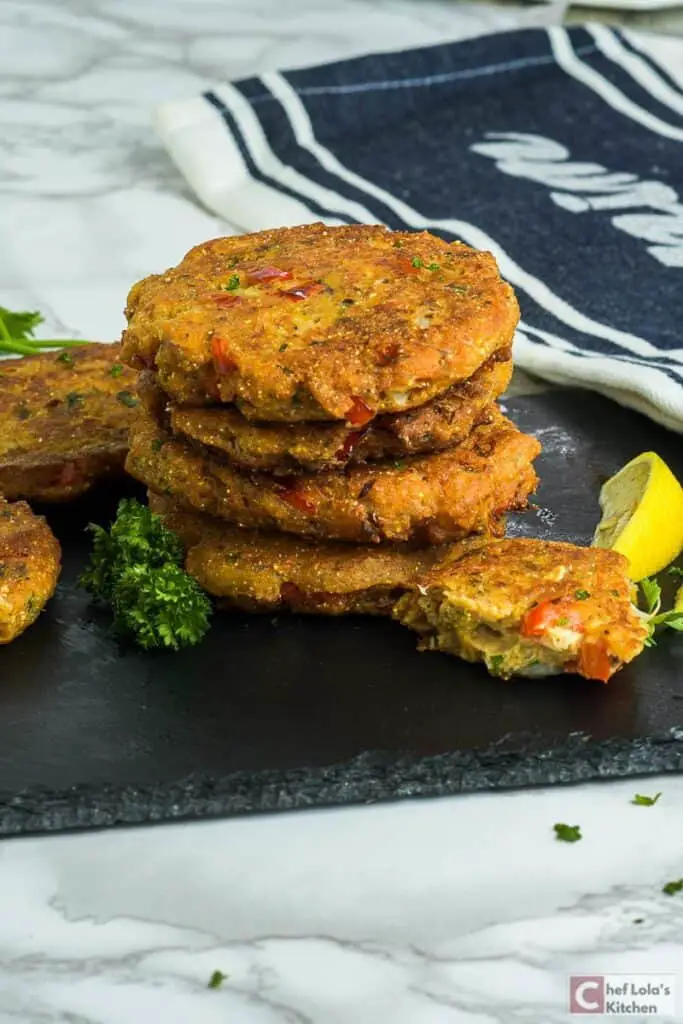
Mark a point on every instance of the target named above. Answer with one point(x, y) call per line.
point(559, 150)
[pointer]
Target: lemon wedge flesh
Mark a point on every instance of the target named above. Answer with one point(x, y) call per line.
point(642, 515)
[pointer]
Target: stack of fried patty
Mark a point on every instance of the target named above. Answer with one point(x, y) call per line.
point(318, 418)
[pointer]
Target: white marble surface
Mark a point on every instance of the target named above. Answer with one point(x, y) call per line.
point(463, 911)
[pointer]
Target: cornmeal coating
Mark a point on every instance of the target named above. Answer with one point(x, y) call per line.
point(29, 567)
point(423, 499)
point(320, 323)
point(64, 419)
point(530, 607)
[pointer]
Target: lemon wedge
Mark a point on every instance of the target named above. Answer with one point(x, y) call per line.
point(642, 515)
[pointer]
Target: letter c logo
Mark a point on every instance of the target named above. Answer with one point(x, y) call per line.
point(581, 995)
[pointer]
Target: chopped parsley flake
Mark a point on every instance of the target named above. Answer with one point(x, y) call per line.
point(283, 347)
point(582, 595)
point(567, 833)
point(233, 282)
point(495, 665)
point(645, 801)
point(433, 266)
point(417, 262)
point(72, 399)
point(675, 571)
point(116, 370)
point(672, 888)
point(399, 464)
point(217, 979)
point(66, 358)
point(158, 443)
point(126, 398)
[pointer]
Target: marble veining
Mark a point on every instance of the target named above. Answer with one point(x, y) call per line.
point(459, 911)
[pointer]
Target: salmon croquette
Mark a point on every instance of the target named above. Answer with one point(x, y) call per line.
point(530, 607)
point(281, 448)
point(320, 323)
point(29, 567)
point(64, 418)
point(424, 499)
point(255, 571)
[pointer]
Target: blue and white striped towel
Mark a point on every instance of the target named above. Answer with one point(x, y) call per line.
point(560, 150)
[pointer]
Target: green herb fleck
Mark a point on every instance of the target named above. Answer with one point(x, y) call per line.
point(433, 266)
point(233, 283)
point(399, 464)
point(66, 358)
point(495, 665)
point(217, 979)
point(645, 801)
point(675, 571)
point(671, 888)
point(567, 833)
point(116, 370)
point(581, 595)
point(417, 262)
point(283, 347)
point(72, 399)
point(126, 398)
point(563, 621)
point(158, 443)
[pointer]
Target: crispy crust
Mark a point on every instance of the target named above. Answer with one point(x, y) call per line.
point(256, 571)
point(62, 426)
point(428, 499)
point(356, 324)
point(29, 567)
point(314, 447)
point(460, 606)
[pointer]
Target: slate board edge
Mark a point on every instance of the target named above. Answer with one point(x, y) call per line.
point(369, 778)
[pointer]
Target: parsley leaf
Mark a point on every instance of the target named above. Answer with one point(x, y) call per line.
point(417, 262)
point(217, 979)
point(17, 329)
point(567, 833)
point(20, 326)
point(671, 888)
point(66, 358)
point(645, 801)
point(233, 283)
point(652, 592)
point(675, 571)
point(433, 266)
point(581, 595)
point(116, 370)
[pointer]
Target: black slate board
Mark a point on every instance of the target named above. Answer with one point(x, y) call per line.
point(273, 714)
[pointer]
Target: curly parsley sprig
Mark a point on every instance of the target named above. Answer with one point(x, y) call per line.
point(136, 569)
